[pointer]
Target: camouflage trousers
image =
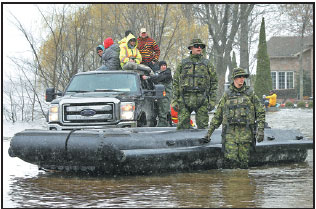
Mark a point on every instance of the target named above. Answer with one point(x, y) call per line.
point(237, 146)
point(184, 114)
point(163, 110)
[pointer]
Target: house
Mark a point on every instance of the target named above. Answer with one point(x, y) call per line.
point(284, 54)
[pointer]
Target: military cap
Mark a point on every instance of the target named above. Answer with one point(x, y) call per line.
point(195, 41)
point(239, 72)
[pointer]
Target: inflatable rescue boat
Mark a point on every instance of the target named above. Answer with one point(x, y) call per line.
point(146, 150)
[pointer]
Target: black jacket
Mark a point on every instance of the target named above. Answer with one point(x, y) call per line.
point(163, 77)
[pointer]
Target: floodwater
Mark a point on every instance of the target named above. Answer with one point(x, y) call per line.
point(281, 186)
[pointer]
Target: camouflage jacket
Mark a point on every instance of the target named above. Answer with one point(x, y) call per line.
point(239, 106)
point(200, 64)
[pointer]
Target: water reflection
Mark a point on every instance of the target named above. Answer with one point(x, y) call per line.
point(255, 187)
point(223, 188)
point(216, 188)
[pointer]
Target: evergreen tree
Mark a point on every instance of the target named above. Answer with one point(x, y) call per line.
point(263, 82)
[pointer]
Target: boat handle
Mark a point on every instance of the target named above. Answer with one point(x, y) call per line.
point(170, 143)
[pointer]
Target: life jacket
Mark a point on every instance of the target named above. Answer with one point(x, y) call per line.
point(194, 76)
point(174, 116)
point(239, 109)
point(195, 79)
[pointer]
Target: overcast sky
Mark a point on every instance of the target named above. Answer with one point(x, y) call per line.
point(14, 43)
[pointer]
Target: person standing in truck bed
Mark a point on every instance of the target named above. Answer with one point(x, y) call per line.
point(164, 77)
point(149, 49)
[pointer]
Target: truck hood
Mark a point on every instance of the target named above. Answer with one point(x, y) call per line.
point(97, 95)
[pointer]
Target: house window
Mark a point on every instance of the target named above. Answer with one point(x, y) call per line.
point(282, 80)
point(290, 80)
point(273, 74)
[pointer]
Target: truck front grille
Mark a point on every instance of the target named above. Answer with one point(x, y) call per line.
point(88, 113)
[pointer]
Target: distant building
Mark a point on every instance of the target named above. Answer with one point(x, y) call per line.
point(284, 54)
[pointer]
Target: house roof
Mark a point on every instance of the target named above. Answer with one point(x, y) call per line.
point(287, 46)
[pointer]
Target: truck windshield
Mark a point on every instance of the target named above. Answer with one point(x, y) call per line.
point(103, 82)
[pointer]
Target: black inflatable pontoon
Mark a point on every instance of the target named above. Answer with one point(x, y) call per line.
point(146, 150)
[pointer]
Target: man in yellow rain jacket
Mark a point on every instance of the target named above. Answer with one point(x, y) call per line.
point(129, 52)
point(272, 99)
point(130, 57)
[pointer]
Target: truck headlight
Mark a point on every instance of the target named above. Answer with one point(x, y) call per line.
point(53, 113)
point(127, 110)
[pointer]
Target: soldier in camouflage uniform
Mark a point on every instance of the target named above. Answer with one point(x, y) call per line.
point(239, 111)
point(194, 87)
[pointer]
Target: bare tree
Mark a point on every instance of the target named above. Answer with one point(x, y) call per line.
point(245, 10)
point(26, 82)
point(55, 24)
point(9, 108)
point(32, 45)
point(223, 21)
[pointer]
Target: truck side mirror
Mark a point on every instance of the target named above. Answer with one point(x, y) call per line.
point(160, 91)
point(50, 94)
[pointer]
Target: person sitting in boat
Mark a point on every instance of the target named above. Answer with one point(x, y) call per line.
point(265, 101)
point(272, 99)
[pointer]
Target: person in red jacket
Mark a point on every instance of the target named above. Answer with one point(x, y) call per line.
point(148, 48)
point(174, 117)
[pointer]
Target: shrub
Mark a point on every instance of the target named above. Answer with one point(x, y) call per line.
point(310, 104)
point(289, 104)
point(301, 104)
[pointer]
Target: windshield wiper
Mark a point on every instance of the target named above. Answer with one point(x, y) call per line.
point(78, 91)
point(106, 90)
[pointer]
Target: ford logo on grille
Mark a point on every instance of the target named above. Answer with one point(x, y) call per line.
point(88, 112)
